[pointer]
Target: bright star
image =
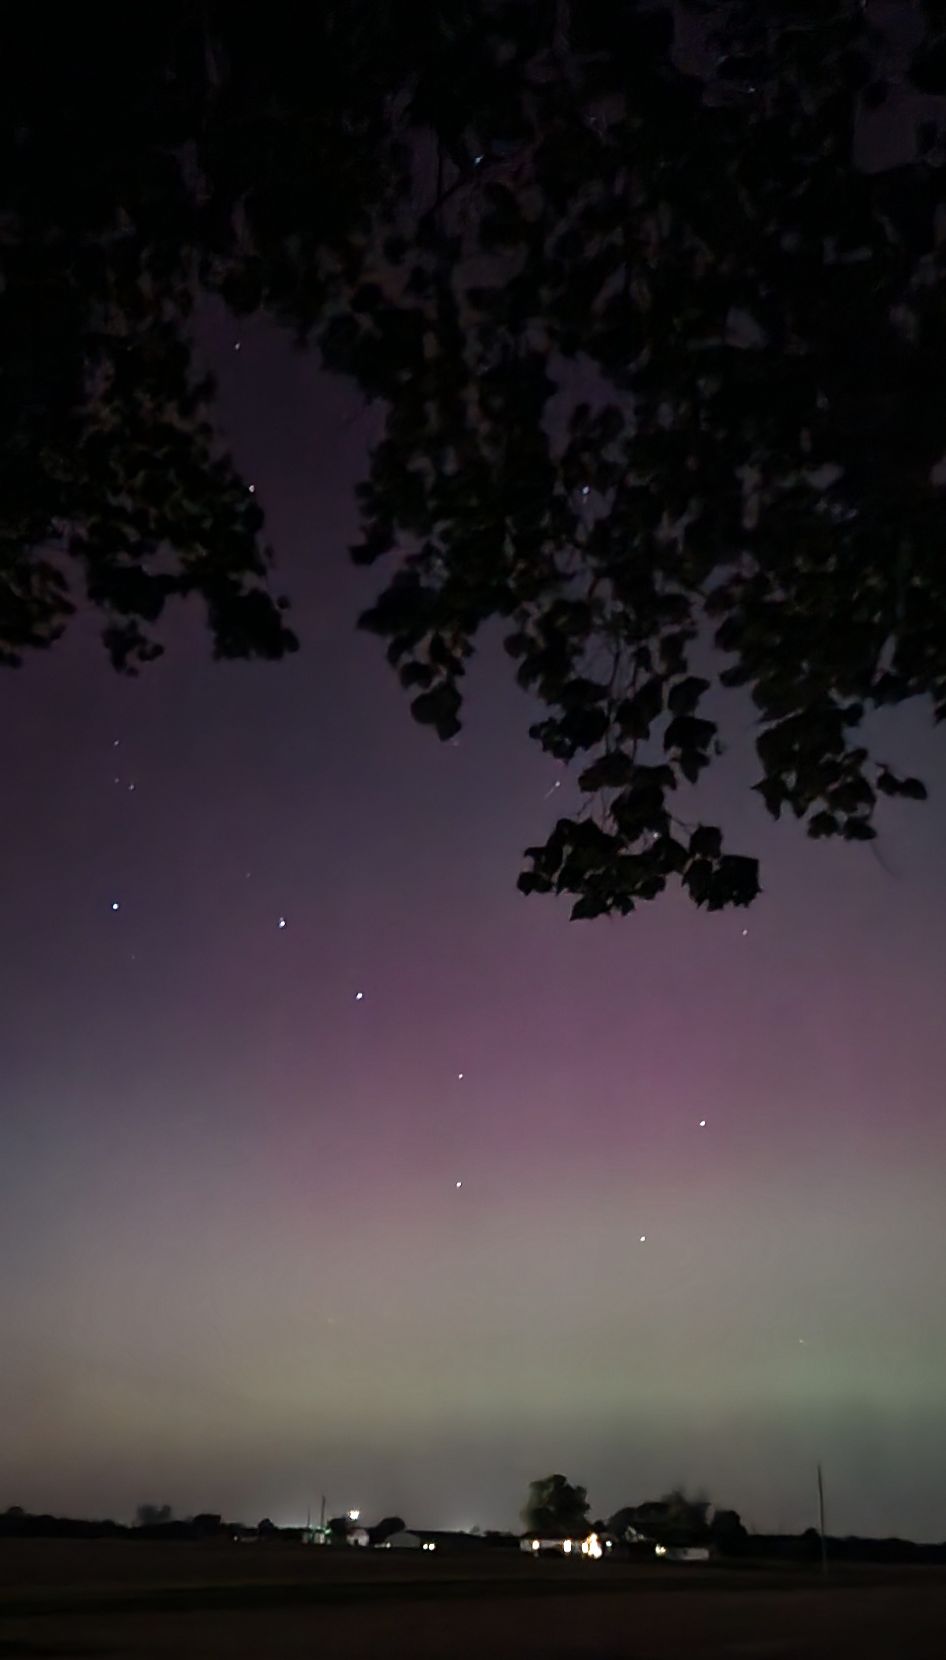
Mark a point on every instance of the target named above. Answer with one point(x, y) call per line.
point(459, 1074)
point(358, 996)
point(281, 923)
point(702, 1123)
point(114, 904)
point(643, 1237)
point(459, 1184)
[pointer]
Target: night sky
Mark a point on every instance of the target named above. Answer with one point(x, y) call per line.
point(239, 1266)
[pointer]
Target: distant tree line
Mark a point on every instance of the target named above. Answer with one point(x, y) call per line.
point(554, 1507)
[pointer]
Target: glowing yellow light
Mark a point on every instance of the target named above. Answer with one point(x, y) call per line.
point(660, 1550)
point(567, 1546)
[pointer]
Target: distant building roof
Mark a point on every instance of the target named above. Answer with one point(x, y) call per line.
point(443, 1538)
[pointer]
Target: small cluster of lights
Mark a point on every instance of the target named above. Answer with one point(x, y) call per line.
point(428, 1544)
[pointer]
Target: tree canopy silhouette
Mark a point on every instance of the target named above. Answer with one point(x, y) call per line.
point(660, 371)
point(555, 1507)
point(153, 1515)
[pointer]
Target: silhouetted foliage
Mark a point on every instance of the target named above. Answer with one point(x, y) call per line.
point(382, 1530)
point(728, 1535)
point(554, 1507)
point(659, 368)
point(674, 1519)
point(153, 1515)
point(17, 1523)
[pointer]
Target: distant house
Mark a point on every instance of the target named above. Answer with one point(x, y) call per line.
point(589, 1545)
point(411, 1538)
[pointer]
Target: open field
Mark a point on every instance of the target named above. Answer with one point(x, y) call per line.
point(193, 1601)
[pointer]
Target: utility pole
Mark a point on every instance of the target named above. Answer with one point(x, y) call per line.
point(824, 1548)
point(322, 1517)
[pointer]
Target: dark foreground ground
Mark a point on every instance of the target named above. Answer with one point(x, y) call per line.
point(252, 1602)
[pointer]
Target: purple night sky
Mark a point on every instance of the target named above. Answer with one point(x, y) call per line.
point(238, 1269)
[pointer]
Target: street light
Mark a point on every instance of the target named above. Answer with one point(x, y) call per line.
point(353, 1515)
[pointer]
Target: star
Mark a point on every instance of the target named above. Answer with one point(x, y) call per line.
point(459, 1184)
point(358, 996)
point(115, 905)
point(237, 345)
point(252, 489)
point(459, 1074)
point(281, 923)
point(702, 1123)
point(131, 787)
point(643, 1238)
point(744, 932)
